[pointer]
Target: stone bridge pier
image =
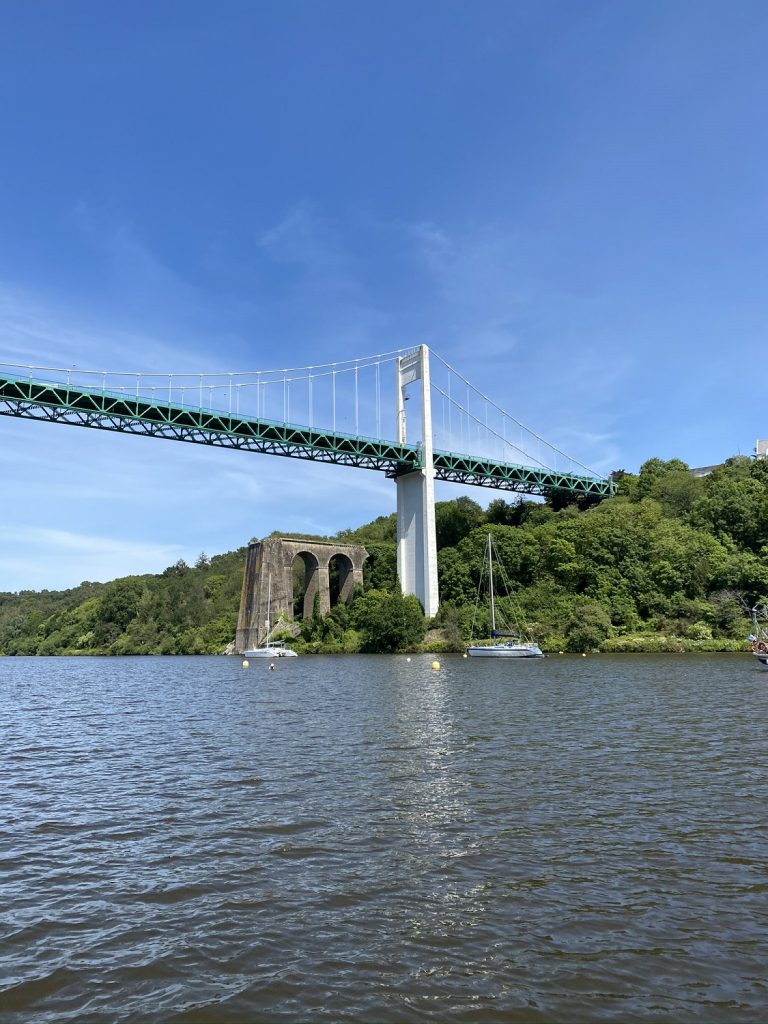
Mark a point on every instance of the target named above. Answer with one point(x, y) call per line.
point(267, 594)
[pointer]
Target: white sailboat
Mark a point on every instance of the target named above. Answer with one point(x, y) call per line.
point(502, 644)
point(270, 648)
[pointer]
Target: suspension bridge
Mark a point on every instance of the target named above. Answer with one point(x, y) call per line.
point(351, 413)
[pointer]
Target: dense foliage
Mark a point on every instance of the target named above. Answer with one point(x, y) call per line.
point(672, 562)
point(185, 610)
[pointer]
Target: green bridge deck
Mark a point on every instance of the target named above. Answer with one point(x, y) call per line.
point(58, 402)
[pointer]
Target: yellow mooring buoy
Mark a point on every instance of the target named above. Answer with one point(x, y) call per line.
point(436, 665)
point(246, 663)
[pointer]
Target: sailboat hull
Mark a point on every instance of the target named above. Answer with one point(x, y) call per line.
point(505, 651)
point(271, 651)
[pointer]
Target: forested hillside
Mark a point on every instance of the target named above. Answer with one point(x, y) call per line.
point(671, 563)
point(184, 610)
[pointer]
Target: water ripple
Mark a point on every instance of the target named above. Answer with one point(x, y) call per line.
point(351, 839)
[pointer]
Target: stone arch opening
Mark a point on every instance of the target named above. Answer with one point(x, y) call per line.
point(340, 578)
point(305, 583)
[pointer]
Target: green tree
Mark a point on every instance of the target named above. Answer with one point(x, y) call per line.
point(734, 508)
point(453, 621)
point(729, 612)
point(654, 470)
point(380, 569)
point(120, 603)
point(588, 628)
point(503, 513)
point(677, 491)
point(455, 519)
point(388, 622)
point(455, 577)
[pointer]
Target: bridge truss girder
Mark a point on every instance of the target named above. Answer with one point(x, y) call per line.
point(60, 403)
point(464, 469)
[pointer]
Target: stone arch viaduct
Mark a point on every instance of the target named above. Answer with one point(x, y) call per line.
point(267, 592)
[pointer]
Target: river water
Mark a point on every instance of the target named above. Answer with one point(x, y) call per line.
point(367, 839)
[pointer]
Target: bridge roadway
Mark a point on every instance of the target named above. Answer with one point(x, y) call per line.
point(108, 410)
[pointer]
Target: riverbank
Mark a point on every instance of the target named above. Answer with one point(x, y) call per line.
point(644, 643)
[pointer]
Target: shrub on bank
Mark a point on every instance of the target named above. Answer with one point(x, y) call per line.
point(654, 643)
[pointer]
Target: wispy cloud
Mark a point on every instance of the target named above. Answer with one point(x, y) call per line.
point(288, 486)
point(305, 240)
point(86, 545)
point(62, 558)
point(134, 269)
point(36, 330)
point(311, 291)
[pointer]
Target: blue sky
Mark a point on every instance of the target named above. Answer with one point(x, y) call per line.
point(567, 201)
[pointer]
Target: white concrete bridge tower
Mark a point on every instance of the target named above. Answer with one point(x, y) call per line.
point(416, 537)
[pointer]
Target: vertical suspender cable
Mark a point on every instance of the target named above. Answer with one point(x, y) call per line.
point(357, 407)
point(333, 389)
point(469, 427)
point(378, 399)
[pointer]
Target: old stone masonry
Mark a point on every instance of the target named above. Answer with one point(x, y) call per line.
point(267, 592)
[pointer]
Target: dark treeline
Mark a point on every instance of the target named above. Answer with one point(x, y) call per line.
point(184, 610)
point(672, 562)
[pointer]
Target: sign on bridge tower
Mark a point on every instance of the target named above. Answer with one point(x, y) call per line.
point(416, 537)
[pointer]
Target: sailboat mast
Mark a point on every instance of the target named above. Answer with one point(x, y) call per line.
point(269, 607)
point(490, 585)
